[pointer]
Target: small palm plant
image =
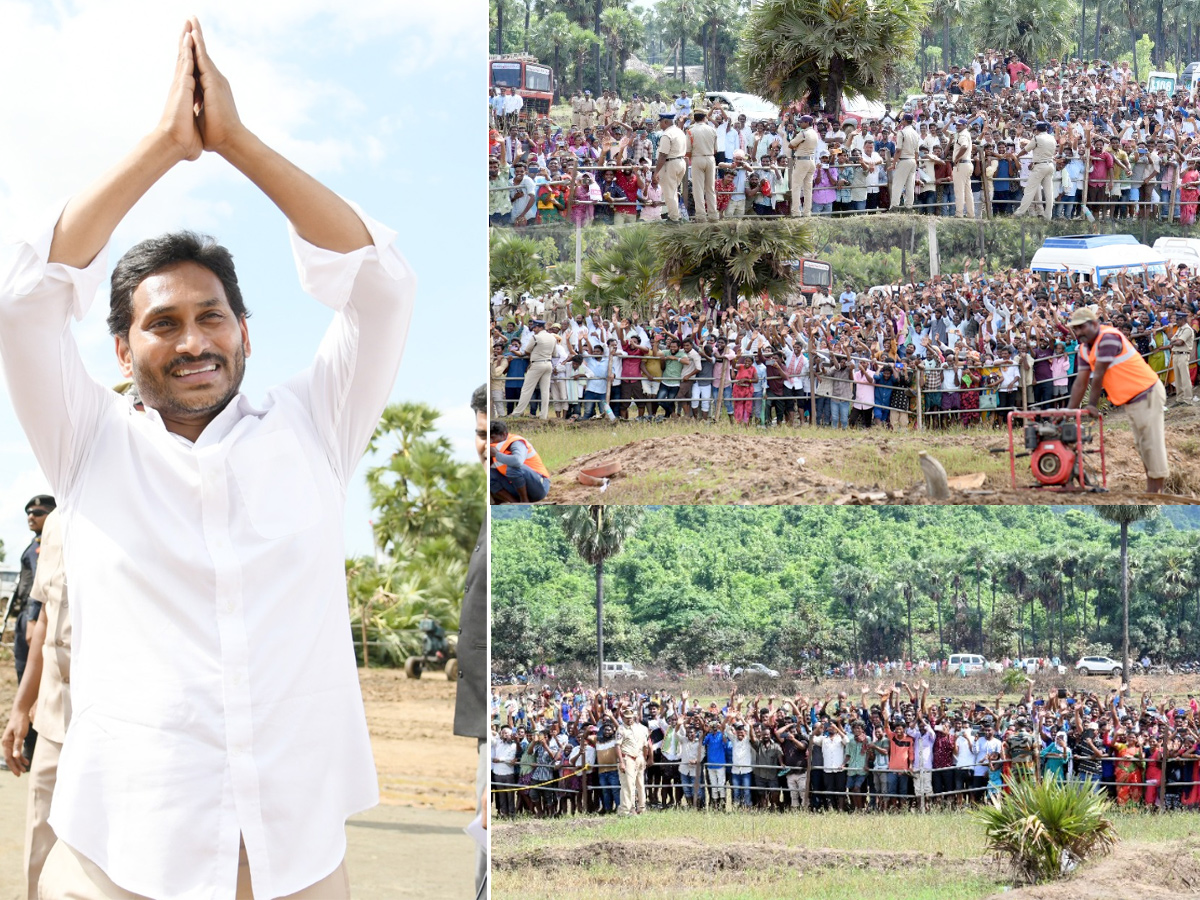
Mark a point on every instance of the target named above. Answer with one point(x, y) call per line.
point(1046, 828)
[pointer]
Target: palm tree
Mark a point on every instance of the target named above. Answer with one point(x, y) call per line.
point(1125, 515)
point(851, 584)
point(515, 263)
point(744, 258)
point(1035, 29)
point(627, 274)
point(622, 33)
point(599, 533)
point(1173, 583)
point(933, 581)
point(815, 50)
point(553, 34)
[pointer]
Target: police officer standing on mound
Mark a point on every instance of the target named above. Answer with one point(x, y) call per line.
point(1043, 148)
point(670, 166)
point(27, 609)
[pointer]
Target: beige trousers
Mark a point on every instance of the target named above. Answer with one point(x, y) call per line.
point(537, 375)
point(904, 183)
point(1183, 391)
point(39, 836)
point(669, 180)
point(704, 188)
point(1149, 438)
point(633, 786)
point(1040, 185)
point(802, 184)
point(69, 875)
point(963, 199)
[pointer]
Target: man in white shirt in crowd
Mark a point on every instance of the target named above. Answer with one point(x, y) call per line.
point(218, 742)
point(523, 195)
point(504, 773)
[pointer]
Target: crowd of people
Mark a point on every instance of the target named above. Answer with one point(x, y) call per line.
point(890, 747)
point(961, 350)
point(990, 137)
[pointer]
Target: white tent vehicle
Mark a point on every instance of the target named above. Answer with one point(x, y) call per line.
point(752, 105)
point(1096, 258)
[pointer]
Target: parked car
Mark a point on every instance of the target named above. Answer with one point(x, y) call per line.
point(755, 669)
point(619, 669)
point(1098, 665)
point(972, 662)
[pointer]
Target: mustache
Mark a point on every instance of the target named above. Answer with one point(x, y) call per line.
point(180, 362)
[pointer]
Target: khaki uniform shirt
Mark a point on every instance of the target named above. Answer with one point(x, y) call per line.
point(1183, 334)
point(672, 143)
point(577, 105)
point(704, 140)
point(962, 139)
point(804, 144)
point(632, 739)
point(1043, 147)
point(543, 347)
point(907, 143)
point(634, 110)
point(54, 693)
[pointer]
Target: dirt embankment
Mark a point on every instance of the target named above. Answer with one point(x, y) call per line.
point(782, 468)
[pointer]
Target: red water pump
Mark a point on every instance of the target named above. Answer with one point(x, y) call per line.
point(1056, 442)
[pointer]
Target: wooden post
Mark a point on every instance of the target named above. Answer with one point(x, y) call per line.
point(578, 253)
point(920, 403)
point(805, 801)
point(812, 373)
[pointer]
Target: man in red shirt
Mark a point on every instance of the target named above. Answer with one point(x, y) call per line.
point(624, 213)
point(1100, 177)
point(631, 375)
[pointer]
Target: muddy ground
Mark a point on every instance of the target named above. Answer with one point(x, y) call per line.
point(411, 845)
point(765, 468)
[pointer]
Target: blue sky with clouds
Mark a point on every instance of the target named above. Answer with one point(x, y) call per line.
point(379, 99)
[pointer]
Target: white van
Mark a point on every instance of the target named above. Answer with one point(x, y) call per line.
point(1096, 258)
point(622, 670)
point(1180, 250)
point(971, 662)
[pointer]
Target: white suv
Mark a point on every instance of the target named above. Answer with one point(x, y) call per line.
point(970, 662)
point(1098, 665)
point(622, 670)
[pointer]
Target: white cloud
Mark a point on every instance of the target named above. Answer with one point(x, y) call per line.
point(458, 424)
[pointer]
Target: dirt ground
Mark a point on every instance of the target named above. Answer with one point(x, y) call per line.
point(1165, 872)
point(411, 845)
point(764, 469)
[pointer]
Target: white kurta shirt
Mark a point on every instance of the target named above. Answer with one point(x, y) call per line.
point(214, 683)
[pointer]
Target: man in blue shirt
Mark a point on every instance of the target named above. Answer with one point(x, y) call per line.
point(716, 754)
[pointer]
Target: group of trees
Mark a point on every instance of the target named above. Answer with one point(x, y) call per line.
point(590, 42)
point(694, 585)
point(428, 510)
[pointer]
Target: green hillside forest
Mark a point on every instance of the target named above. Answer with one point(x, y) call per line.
point(781, 584)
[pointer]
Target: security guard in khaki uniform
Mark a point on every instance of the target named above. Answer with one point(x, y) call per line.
point(633, 112)
point(670, 165)
point(1043, 148)
point(539, 371)
point(49, 691)
point(904, 179)
point(588, 110)
point(577, 110)
point(1183, 341)
point(704, 167)
point(962, 168)
point(804, 153)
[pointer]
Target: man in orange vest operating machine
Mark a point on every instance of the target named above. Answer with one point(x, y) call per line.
point(1108, 361)
point(517, 473)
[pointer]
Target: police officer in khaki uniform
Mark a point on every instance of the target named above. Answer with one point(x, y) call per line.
point(1183, 341)
point(539, 371)
point(577, 110)
point(1043, 147)
point(670, 165)
point(904, 179)
point(633, 112)
point(588, 110)
point(704, 167)
point(48, 690)
point(804, 153)
point(962, 168)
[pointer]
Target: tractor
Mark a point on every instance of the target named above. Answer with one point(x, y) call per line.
point(438, 651)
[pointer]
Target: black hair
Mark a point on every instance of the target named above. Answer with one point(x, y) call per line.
point(498, 430)
point(155, 254)
point(479, 399)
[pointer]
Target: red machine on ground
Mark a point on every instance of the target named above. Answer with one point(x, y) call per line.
point(1055, 442)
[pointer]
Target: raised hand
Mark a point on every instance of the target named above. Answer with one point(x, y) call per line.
point(178, 122)
point(216, 115)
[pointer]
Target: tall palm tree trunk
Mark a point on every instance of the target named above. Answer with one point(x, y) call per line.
point(908, 599)
point(600, 624)
point(1124, 603)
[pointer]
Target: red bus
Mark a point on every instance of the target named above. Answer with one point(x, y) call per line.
point(527, 77)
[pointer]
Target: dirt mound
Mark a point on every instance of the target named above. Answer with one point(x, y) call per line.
point(682, 855)
point(1164, 872)
point(702, 467)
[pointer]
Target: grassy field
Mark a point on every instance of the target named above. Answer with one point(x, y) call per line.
point(938, 856)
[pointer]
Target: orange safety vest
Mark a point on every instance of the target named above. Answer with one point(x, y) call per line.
point(1126, 376)
point(532, 460)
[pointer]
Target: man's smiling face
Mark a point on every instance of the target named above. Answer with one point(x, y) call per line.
point(186, 348)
